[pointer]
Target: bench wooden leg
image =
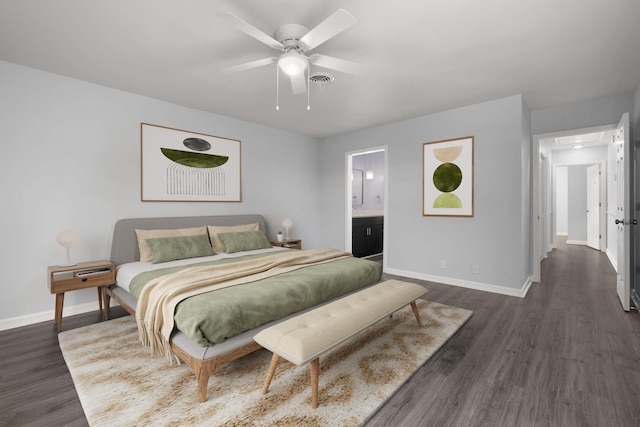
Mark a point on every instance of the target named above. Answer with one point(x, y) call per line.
point(314, 368)
point(415, 311)
point(272, 370)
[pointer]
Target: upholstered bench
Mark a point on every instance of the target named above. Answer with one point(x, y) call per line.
point(305, 337)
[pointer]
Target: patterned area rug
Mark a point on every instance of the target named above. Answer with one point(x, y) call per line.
point(120, 384)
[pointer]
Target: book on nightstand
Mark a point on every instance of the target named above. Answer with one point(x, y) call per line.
point(91, 272)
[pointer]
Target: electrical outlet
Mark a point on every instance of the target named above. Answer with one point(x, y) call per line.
point(443, 264)
point(475, 268)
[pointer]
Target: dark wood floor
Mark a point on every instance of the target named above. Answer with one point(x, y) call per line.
point(566, 355)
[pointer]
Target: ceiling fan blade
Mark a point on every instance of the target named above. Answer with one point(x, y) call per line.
point(250, 65)
point(249, 29)
point(330, 27)
point(299, 83)
point(336, 64)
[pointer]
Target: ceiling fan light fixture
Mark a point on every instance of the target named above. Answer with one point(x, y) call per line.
point(292, 63)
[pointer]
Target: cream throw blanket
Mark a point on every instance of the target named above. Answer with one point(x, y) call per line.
point(160, 296)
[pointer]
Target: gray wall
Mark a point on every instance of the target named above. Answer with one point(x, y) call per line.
point(577, 203)
point(71, 159)
point(561, 203)
point(493, 238)
point(526, 224)
point(598, 112)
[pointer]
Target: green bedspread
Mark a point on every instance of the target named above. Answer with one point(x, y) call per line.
point(212, 317)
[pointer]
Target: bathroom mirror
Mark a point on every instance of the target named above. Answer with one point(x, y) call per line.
point(357, 176)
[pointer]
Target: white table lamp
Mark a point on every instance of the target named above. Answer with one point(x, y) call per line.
point(287, 224)
point(66, 239)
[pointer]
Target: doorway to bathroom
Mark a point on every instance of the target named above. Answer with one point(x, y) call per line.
point(367, 190)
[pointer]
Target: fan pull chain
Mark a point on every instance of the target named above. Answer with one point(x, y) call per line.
point(277, 88)
point(308, 85)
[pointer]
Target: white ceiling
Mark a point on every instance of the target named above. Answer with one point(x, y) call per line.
point(421, 56)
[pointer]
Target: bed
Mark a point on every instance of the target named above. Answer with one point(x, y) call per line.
point(194, 345)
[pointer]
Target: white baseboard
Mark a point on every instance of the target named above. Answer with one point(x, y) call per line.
point(562, 234)
point(526, 286)
point(576, 242)
point(49, 315)
point(479, 286)
point(612, 260)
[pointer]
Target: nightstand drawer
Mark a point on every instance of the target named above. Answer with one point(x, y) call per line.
point(288, 243)
point(67, 283)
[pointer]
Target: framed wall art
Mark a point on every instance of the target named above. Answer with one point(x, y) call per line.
point(183, 166)
point(447, 177)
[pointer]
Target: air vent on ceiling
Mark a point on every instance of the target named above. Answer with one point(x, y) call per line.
point(321, 79)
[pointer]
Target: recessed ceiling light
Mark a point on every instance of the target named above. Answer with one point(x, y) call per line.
point(577, 146)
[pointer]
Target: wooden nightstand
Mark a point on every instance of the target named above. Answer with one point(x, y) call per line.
point(288, 243)
point(93, 274)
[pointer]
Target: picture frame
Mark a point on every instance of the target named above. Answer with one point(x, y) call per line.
point(447, 177)
point(183, 166)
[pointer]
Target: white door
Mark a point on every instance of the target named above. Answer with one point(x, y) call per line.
point(593, 206)
point(623, 211)
point(544, 188)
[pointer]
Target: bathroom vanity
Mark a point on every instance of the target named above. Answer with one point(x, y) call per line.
point(367, 234)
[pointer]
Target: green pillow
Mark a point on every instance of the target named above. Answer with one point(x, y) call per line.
point(244, 241)
point(165, 249)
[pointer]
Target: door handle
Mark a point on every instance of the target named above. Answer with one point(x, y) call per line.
point(634, 221)
point(620, 221)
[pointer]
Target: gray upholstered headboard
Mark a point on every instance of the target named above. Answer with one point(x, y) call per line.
point(124, 246)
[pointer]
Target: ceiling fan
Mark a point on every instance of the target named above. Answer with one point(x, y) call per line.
point(295, 40)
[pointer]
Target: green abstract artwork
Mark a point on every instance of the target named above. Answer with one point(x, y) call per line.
point(448, 177)
point(194, 160)
point(447, 200)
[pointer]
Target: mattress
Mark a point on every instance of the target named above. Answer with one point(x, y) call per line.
point(126, 272)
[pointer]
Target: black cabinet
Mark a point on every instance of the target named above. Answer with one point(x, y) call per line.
point(366, 236)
